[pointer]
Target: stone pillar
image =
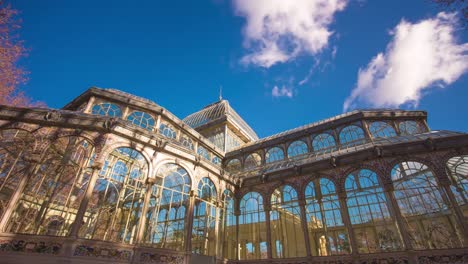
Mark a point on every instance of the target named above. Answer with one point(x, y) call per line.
point(225, 139)
point(451, 201)
point(366, 131)
point(219, 232)
point(396, 215)
point(189, 225)
point(347, 222)
point(267, 208)
point(89, 105)
point(237, 214)
point(158, 123)
point(142, 224)
point(336, 136)
point(396, 127)
point(96, 168)
point(35, 166)
point(426, 125)
point(305, 229)
point(125, 113)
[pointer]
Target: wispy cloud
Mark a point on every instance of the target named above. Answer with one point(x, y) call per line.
point(279, 30)
point(419, 56)
point(282, 92)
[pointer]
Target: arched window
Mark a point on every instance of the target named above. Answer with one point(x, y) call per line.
point(204, 237)
point(428, 219)
point(228, 229)
point(380, 129)
point(107, 109)
point(327, 233)
point(352, 136)
point(16, 145)
point(287, 236)
point(297, 148)
point(457, 170)
point(233, 166)
point(410, 128)
point(324, 143)
point(170, 193)
point(114, 209)
point(252, 161)
point(167, 131)
point(374, 228)
point(203, 152)
point(54, 189)
point(186, 142)
point(274, 154)
point(252, 229)
point(142, 120)
point(216, 160)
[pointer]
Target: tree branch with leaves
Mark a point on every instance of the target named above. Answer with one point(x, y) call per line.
point(11, 51)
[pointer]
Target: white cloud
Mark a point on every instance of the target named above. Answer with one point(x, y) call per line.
point(419, 56)
point(283, 92)
point(279, 30)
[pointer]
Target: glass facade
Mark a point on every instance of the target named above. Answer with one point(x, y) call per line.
point(336, 191)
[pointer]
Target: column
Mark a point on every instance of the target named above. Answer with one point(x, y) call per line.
point(35, 166)
point(219, 230)
point(237, 214)
point(267, 208)
point(367, 132)
point(158, 123)
point(125, 112)
point(188, 241)
point(142, 224)
point(396, 214)
point(453, 205)
point(347, 221)
point(225, 137)
point(89, 105)
point(305, 229)
point(96, 168)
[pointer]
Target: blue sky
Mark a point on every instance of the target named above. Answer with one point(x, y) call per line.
point(177, 53)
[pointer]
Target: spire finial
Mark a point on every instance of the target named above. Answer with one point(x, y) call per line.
point(220, 92)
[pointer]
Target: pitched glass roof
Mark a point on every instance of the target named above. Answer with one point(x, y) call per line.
point(219, 111)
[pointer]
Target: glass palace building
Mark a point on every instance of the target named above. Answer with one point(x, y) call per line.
point(115, 178)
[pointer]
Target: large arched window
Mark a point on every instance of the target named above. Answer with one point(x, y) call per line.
point(252, 227)
point(274, 154)
point(352, 136)
point(410, 127)
point(15, 146)
point(114, 209)
point(287, 236)
point(380, 129)
point(297, 148)
point(252, 161)
point(167, 131)
point(204, 237)
point(327, 233)
point(429, 220)
point(141, 119)
point(457, 170)
point(54, 190)
point(107, 109)
point(167, 208)
point(228, 229)
point(323, 143)
point(374, 228)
